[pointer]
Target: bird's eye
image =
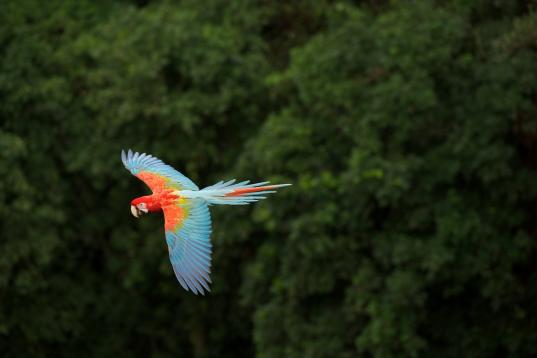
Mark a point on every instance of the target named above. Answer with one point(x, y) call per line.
point(141, 206)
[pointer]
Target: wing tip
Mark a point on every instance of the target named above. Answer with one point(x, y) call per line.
point(123, 157)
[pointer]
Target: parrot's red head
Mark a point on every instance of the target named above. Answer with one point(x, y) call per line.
point(143, 205)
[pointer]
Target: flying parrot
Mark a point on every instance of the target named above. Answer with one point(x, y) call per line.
point(187, 221)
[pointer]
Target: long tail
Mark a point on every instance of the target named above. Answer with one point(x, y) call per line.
point(229, 193)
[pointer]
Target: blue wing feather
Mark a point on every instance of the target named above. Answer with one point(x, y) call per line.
point(190, 248)
point(136, 162)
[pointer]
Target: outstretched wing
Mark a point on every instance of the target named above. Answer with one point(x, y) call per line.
point(187, 222)
point(188, 231)
point(157, 175)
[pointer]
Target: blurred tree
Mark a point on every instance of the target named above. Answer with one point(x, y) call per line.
point(412, 137)
point(80, 81)
point(408, 128)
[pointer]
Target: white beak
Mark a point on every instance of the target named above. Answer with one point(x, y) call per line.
point(136, 212)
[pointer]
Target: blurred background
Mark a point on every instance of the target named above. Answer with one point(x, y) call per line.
point(409, 131)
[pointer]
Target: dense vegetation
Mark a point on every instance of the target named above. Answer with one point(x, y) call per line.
point(409, 130)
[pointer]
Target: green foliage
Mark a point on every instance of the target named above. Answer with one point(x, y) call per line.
point(408, 129)
point(414, 191)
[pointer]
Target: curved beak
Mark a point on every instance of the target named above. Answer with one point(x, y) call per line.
point(134, 211)
point(138, 212)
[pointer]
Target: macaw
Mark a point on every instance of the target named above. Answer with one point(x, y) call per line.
point(187, 221)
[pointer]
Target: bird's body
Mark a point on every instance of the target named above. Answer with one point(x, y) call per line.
point(187, 220)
